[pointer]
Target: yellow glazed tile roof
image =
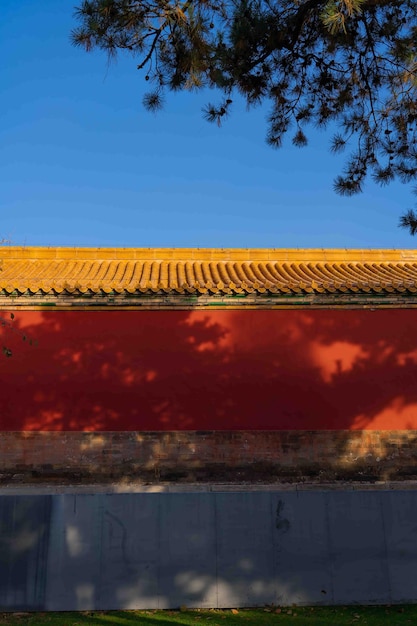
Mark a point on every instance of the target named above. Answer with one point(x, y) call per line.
point(193, 270)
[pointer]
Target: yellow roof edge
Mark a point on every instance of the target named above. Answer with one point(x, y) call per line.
point(208, 254)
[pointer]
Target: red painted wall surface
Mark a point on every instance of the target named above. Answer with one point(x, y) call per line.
point(210, 370)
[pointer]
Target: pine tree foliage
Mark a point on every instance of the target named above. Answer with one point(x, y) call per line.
point(352, 63)
point(409, 221)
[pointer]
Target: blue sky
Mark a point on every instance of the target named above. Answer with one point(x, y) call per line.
point(83, 164)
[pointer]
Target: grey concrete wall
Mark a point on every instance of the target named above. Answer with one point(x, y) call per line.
point(164, 550)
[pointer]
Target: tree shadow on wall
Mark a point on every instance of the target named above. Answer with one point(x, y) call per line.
point(277, 371)
point(165, 550)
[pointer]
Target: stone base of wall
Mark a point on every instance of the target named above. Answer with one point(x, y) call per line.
point(207, 456)
point(117, 551)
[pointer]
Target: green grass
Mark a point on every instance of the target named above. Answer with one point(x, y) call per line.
point(296, 616)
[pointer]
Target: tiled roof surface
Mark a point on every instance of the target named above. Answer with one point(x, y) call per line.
point(125, 270)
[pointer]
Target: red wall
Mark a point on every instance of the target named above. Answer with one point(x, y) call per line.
point(210, 370)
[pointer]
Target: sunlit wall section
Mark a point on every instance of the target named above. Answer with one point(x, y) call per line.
point(210, 370)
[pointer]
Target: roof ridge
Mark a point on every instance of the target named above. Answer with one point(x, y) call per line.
point(293, 255)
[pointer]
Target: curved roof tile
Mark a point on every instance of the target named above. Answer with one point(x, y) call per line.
point(206, 271)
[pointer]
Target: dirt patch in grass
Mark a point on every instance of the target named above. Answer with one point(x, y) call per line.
point(279, 616)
